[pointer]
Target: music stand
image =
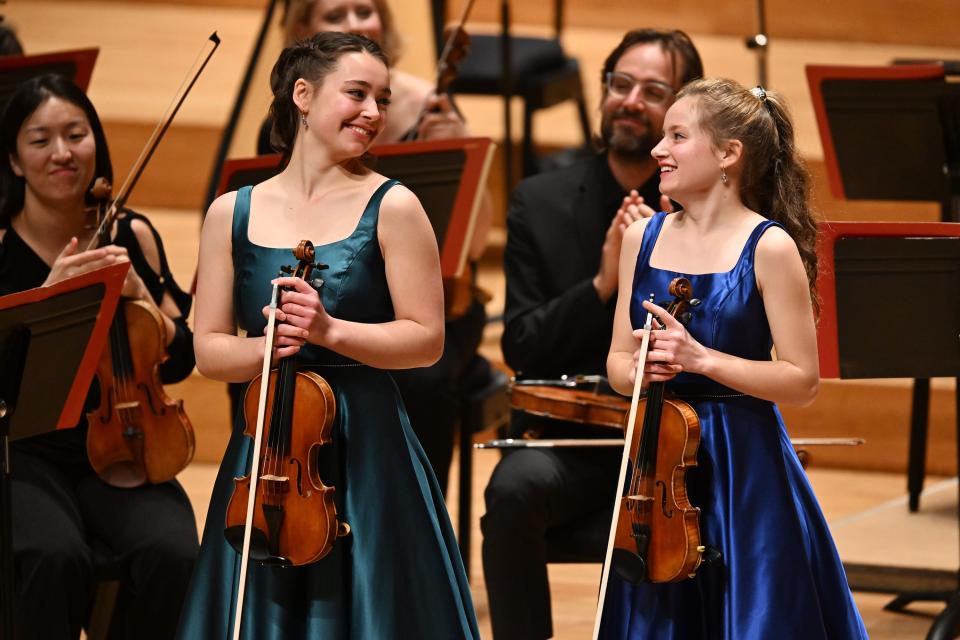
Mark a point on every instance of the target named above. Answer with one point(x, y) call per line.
point(77, 65)
point(51, 339)
point(447, 176)
point(890, 133)
point(864, 268)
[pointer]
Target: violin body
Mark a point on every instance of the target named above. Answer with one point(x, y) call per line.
point(660, 524)
point(138, 434)
point(295, 519)
point(573, 405)
point(656, 533)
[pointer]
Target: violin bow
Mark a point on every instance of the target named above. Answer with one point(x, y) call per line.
point(154, 141)
point(627, 439)
point(255, 463)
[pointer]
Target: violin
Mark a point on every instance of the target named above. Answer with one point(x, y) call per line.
point(138, 434)
point(289, 517)
point(455, 49)
point(568, 400)
point(655, 534)
point(658, 530)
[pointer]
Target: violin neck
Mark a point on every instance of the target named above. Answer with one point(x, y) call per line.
point(278, 437)
point(650, 435)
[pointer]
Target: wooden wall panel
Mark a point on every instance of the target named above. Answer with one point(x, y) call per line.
point(927, 22)
point(177, 175)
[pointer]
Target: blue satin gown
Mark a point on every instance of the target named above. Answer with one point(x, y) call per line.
point(779, 575)
point(398, 574)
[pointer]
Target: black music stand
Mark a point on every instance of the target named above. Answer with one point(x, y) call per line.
point(893, 133)
point(51, 339)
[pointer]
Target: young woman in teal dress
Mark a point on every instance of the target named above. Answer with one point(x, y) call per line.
point(398, 573)
point(728, 157)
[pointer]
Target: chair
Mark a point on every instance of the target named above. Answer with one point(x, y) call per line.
point(535, 69)
point(109, 571)
point(485, 405)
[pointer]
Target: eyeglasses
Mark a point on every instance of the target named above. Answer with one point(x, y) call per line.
point(651, 92)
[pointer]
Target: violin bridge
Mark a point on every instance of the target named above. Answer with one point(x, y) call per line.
point(270, 476)
point(133, 404)
point(638, 498)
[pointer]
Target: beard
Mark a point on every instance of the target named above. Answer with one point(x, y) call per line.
point(624, 142)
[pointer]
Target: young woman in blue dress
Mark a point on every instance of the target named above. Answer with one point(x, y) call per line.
point(745, 238)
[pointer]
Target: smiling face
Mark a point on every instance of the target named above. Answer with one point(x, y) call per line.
point(346, 16)
point(349, 108)
point(630, 126)
point(56, 152)
point(689, 161)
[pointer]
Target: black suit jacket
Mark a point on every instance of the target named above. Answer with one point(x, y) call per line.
point(554, 321)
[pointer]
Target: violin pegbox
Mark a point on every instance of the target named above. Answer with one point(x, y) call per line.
point(305, 255)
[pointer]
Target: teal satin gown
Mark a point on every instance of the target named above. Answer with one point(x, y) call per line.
point(398, 574)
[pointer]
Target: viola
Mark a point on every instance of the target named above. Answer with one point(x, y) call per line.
point(282, 513)
point(137, 434)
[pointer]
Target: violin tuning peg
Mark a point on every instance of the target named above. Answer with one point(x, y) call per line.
point(320, 265)
point(316, 283)
point(288, 270)
point(695, 302)
point(685, 317)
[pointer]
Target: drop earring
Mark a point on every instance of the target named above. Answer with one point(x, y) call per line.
point(303, 120)
point(723, 175)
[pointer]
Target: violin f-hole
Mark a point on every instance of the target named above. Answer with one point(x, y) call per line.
point(668, 513)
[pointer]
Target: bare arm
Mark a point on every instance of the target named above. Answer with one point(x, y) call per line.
point(221, 354)
point(792, 378)
point(621, 360)
point(415, 337)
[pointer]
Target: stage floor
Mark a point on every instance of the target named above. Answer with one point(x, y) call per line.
point(867, 513)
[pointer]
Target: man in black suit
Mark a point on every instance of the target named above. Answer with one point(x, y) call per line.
point(561, 261)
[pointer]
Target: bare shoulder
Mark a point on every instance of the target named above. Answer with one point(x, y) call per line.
point(399, 203)
point(220, 211)
point(635, 231)
point(776, 244)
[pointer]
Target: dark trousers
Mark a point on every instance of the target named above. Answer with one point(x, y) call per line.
point(530, 492)
point(432, 395)
point(60, 507)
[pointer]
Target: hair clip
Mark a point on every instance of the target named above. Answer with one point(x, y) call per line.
point(760, 93)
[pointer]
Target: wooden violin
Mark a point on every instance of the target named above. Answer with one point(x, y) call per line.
point(455, 49)
point(655, 534)
point(570, 402)
point(282, 513)
point(138, 434)
point(658, 530)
